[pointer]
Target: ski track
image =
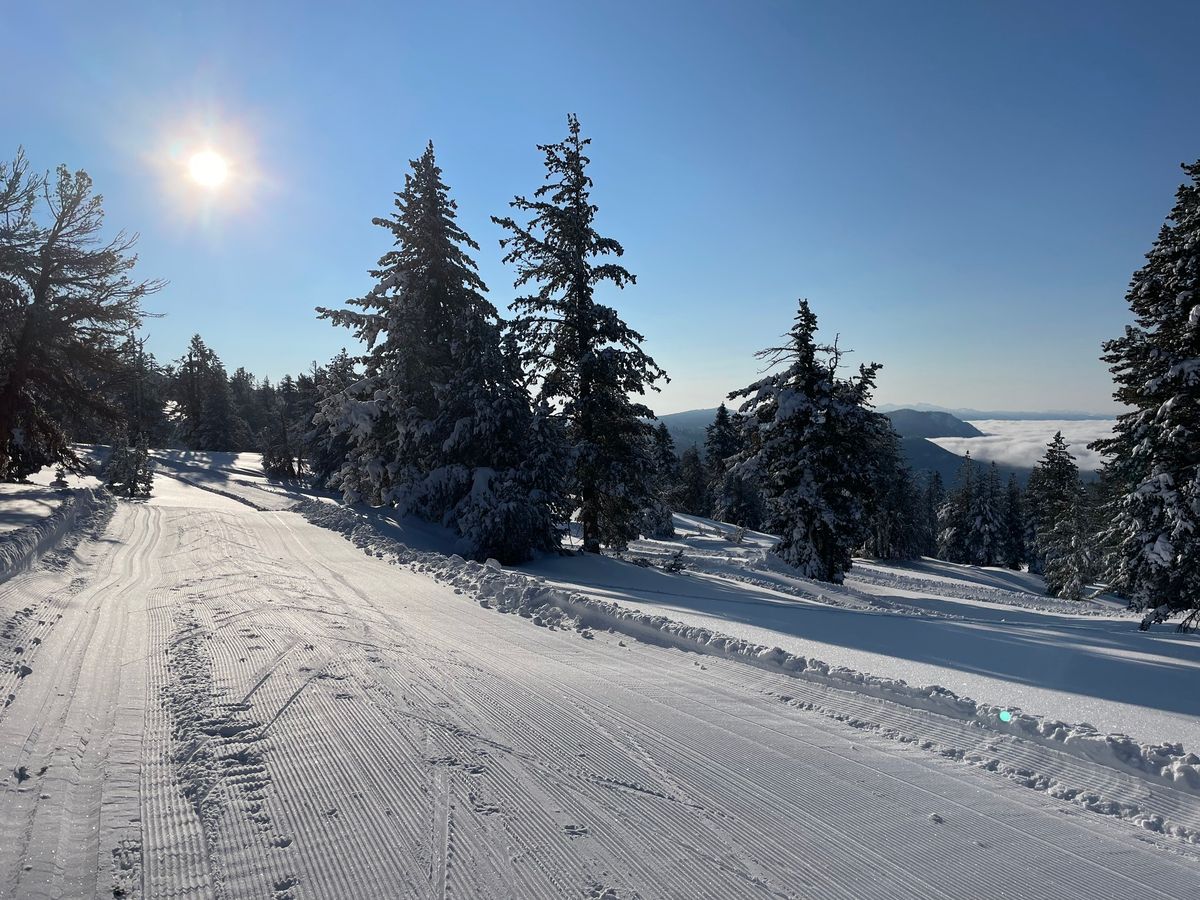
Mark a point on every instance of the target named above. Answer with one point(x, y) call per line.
point(227, 702)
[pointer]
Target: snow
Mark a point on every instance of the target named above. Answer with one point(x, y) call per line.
point(22, 505)
point(236, 689)
point(977, 632)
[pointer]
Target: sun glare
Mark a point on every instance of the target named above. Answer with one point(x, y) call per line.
point(208, 168)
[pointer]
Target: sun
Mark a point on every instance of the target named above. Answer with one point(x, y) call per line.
point(208, 168)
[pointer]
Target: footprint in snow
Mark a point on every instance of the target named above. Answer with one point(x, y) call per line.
point(575, 830)
point(936, 819)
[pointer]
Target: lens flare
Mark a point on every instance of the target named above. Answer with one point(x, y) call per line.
point(208, 168)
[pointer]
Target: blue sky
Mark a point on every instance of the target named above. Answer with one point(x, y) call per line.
point(962, 190)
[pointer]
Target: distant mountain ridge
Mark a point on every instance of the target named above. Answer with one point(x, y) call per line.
point(1004, 414)
point(915, 423)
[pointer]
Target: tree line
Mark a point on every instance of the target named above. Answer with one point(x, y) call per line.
point(502, 430)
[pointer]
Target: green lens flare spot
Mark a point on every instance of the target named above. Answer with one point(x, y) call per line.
point(1005, 715)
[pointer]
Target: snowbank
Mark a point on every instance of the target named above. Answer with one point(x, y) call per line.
point(19, 549)
point(530, 597)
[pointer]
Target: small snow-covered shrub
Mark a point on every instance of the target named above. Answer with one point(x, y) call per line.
point(130, 471)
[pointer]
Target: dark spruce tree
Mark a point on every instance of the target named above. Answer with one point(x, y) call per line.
point(67, 307)
point(1069, 548)
point(722, 441)
point(587, 361)
point(985, 529)
point(954, 518)
point(738, 501)
point(810, 444)
point(666, 461)
point(691, 490)
point(1053, 489)
point(440, 422)
point(933, 496)
point(733, 497)
point(1154, 453)
point(895, 530)
point(1013, 529)
point(657, 519)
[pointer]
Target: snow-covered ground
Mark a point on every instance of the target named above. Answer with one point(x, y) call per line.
point(216, 694)
point(22, 505)
point(979, 632)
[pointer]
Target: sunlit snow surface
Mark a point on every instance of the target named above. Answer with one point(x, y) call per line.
point(233, 689)
point(987, 633)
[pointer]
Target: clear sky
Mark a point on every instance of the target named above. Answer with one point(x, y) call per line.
point(961, 189)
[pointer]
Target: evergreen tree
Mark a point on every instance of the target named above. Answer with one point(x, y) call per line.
point(1069, 548)
point(738, 501)
point(66, 304)
point(1108, 494)
point(220, 428)
point(895, 528)
point(130, 471)
point(722, 441)
point(954, 518)
point(1053, 487)
point(1013, 527)
point(1153, 454)
point(278, 439)
point(439, 423)
point(932, 498)
point(252, 402)
point(985, 532)
point(666, 461)
point(811, 443)
point(327, 443)
point(657, 520)
point(143, 395)
point(587, 360)
point(691, 490)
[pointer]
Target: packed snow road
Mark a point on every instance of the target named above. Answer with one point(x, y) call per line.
point(208, 700)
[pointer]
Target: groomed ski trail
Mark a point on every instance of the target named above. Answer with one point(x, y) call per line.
point(226, 702)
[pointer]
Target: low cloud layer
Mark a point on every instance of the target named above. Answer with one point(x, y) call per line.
point(1023, 442)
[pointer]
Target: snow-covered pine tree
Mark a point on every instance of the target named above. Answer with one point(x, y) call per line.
point(722, 441)
point(220, 427)
point(327, 446)
point(587, 360)
point(954, 517)
point(656, 513)
point(738, 501)
point(130, 471)
point(1154, 453)
point(1069, 547)
point(66, 304)
point(810, 440)
point(143, 395)
point(439, 423)
point(278, 441)
point(666, 461)
point(933, 496)
point(691, 489)
point(1053, 486)
point(1013, 529)
point(894, 531)
point(985, 532)
point(1108, 494)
